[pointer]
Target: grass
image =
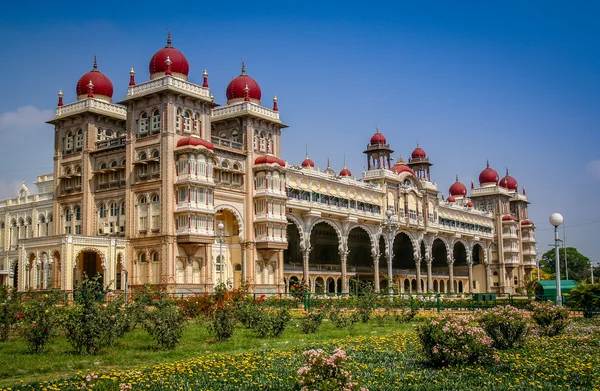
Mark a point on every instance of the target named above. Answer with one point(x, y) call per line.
point(136, 349)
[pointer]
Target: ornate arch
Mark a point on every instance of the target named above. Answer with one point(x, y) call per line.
point(413, 241)
point(336, 228)
point(372, 235)
point(298, 223)
point(237, 215)
point(94, 250)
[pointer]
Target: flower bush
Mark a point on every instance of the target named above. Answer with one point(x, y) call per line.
point(507, 326)
point(452, 340)
point(323, 372)
point(312, 321)
point(9, 312)
point(38, 324)
point(340, 318)
point(271, 323)
point(246, 311)
point(165, 324)
point(550, 318)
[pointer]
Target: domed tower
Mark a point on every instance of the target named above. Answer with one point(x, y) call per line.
point(84, 131)
point(509, 183)
point(488, 177)
point(378, 153)
point(401, 167)
point(420, 164)
point(168, 60)
point(243, 88)
point(458, 190)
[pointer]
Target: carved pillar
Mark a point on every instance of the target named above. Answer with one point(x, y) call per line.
point(418, 272)
point(305, 257)
point(451, 274)
point(344, 258)
point(376, 272)
point(280, 281)
point(470, 264)
point(244, 248)
point(429, 262)
point(208, 269)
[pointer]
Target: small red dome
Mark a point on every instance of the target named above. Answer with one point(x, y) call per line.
point(470, 204)
point(345, 172)
point(103, 88)
point(235, 91)
point(269, 159)
point(418, 153)
point(307, 162)
point(509, 182)
point(401, 167)
point(378, 138)
point(488, 175)
point(179, 64)
point(451, 199)
point(508, 218)
point(194, 142)
point(458, 189)
point(527, 222)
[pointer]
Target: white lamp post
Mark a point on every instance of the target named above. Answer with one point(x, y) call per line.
point(389, 213)
point(556, 220)
point(592, 267)
point(220, 226)
point(537, 259)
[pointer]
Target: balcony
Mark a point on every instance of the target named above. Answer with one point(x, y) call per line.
point(217, 141)
point(111, 143)
point(510, 250)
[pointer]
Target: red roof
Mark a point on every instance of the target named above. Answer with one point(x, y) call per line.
point(418, 153)
point(103, 87)
point(488, 175)
point(527, 222)
point(401, 167)
point(307, 162)
point(194, 142)
point(269, 159)
point(179, 64)
point(378, 138)
point(509, 182)
point(470, 204)
point(451, 199)
point(345, 172)
point(508, 218)
point(458, 189)
point(235, 91)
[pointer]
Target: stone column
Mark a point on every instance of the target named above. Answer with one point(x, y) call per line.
point(305, 258)
point(376, 272)
point(470, 264)
point(451, 274)
point(488, 272)
point(429, 262)
point(344, 258)
point(418, 272)
point(208, 265)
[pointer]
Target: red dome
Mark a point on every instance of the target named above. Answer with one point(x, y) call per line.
point(236, 89)
point(269, 159)
point(526, 222)
point(400, 166)
point(307, 162)
point(378, 138)
point(102, 89)
point(194, 142)
point(489, 175)
point(345, 172)
point(451, 199)
point(470, 204)
point(508, 218)
point(509, 182)
point(418, 153)
point(458, 189)
point(179, 64)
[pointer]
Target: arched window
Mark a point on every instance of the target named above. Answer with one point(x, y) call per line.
point(114, 210)
point(235, 135)
point(102, 211)
point(142, 257)
point(262, 142)
point(142, 200)
point(122, 208)
point(197, 125)
point(77, 213)
point(155, 199)
point(103, 166)
point(79, 139)
point(68, 215)
point(155, 120)
point(68, 142)
point(99, 134)
point(187, 122)
point(114, 163)
point(123, 162)
point(255, 140)
point(155, 154)
point(109, 133)
point(143, 124)
point(178, 120)
point(143, 156)
point(155, 257)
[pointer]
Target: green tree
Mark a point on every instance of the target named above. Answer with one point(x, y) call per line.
point(578, 264)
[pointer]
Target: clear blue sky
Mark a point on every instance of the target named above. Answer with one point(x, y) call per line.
point(517, 83)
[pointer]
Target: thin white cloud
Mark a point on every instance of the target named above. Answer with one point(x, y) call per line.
point(593, 168)
point(9, 189)
point(24, 118)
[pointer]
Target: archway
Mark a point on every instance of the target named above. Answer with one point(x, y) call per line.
point(440, 257)
point(383, 265)
point(325, 243)
point(15, 283)
point(227, 251)
point(359, 259)
point(403, 253)
point(319, 285)
point(442, 286)
point(435, 286)
point(479, 272)
point(88, 264)
point(292, 255)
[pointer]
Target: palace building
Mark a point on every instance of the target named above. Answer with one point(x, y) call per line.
point(168, 188)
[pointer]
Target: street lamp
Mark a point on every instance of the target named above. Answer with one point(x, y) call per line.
point(389, 213)
point(537, 259)
point(221, 226)
point(556, 220)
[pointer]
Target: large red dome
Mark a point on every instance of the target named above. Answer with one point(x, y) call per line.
point(401, 167)
point(488, 175)
point(269, 159)
point(308, 162)
point(103, 88)
point(418, 153)
point(179, 64)
point(194, 142)
point(345, 171)
point(236, 89)
point(378, 138)
point(458, 189)
point(509, 182)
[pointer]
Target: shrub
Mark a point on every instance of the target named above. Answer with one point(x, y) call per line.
point(585, 297)
point(403, 315)
point(165, 324)
point(9, 312)
point(247, 311)
point(271, 323)
point(38, 323)
point(323, 372)
point(550, 318)
point(221, 321)
point(365, 302)
point(453, 340)
point(312, 321)
point(507, 326)
point(342, 319)
point(195, 306)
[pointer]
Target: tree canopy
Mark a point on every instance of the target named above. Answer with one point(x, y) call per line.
point(578, 264)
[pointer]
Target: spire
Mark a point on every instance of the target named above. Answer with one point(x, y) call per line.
point(275, 108)
point(60, 100)
point(524, 193)
point(168, 62)
point(456, 177)
point(487, 163)
point(246, 95)
point(506, 171)
point(169, 39)
point(328, 165)
point(243, 69)
point(205, 76)
point(472, 185)
point(90, 89)
point(95, 64)
point(131, 77)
